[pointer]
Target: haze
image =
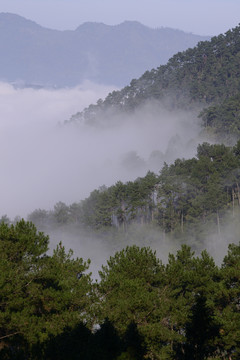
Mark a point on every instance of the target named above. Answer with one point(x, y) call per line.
point(42, 163)
point(33, 156)
point(200, 17)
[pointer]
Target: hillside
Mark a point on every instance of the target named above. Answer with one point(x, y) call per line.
point(200, 77)
point(188, 201)
point(97, 52)
point(191, 196)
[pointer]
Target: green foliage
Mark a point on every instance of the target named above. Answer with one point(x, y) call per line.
point(228, 302)
point(183, 310)
point(201, 331)
point(40, 294)
point(186, 199)
point(186, 309)
point(224, 118)
point(130, 293)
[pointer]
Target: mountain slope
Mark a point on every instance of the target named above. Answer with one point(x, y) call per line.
point(189, 200)
point(198, 77)
point(97, 52)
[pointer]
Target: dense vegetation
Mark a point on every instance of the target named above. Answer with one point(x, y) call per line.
point(184, 201)
point(207, 75)
point(139, 308)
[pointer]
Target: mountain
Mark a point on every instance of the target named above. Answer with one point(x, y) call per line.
point(205, 77)
point(94, 51)
point(190, 198)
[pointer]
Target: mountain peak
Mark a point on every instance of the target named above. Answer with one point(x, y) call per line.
point(91, 25)
point(17, 21)
point(131, 24)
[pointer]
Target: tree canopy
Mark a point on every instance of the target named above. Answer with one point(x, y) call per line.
point(40, 294)
point(139, 308)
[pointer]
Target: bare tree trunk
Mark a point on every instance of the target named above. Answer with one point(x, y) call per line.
point(233, 202)
point(182, 222)
point(123, 216)
point(163, 224)
point(238, 194)
point(218, 224)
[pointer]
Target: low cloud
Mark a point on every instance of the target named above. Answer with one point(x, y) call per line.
point(33, 150)
point(43, 163)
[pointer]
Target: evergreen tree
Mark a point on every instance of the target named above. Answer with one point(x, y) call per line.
point(40, 295)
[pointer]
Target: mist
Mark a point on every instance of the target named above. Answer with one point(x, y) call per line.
point(34, 172)
point(43, 162)
point(98, 247)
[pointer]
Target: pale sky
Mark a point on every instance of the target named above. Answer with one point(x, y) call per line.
point(205, 17)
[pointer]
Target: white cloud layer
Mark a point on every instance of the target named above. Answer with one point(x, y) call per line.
point(42, 163)
point(36, 160)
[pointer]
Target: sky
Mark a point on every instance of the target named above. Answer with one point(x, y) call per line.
point(199, 17)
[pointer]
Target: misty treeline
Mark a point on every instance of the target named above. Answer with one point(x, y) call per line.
point(139, 308)
point(205, 78)
point(183, 201)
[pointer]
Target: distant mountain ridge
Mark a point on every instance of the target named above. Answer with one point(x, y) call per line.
point(94, 51)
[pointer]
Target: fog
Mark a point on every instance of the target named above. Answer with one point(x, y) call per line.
point(35, 155)
point(98, 248)
point(43, 163)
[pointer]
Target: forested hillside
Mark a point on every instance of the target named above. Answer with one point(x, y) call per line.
point(184, 201)
point(206, 76)
point(188, 197)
